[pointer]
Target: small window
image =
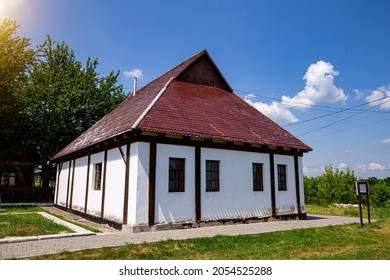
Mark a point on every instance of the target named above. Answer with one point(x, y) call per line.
point(257, 171)
point(176, 174)
point(7, 178)
point(282, 181)
point(97, 185)
point(212, 176)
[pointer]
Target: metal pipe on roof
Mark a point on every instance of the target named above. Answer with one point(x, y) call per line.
point(135, 86)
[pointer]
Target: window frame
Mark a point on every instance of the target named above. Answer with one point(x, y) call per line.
point(257, 177)
point(282, 177)
point(176, 183)
point(97, 176)
point(212, 175)
point(6, 174)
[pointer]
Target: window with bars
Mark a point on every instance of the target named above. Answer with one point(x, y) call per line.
point(212, 176)
point(7, 179)
point(282, 177)
point(176, 174)
point(97, 183)
point(257, 174)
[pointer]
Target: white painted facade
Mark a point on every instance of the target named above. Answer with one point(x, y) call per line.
point(234, 200)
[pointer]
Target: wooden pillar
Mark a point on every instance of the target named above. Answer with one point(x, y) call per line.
point(126, 194)
point(198, 208)
point(297, 190)
point(152, 182)
point(72, 185)
point(272, 173)
point(104, 183)
point(58, 181)
point(87, 185)
point(67, 186)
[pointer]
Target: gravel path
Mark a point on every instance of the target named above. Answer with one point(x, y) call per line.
point(27, 249)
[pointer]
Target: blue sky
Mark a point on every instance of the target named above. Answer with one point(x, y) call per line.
point(296, 61)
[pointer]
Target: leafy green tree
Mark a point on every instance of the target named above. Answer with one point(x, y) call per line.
point(15, 59)
point(380, 193)
point(64, 98)
point(333, 186)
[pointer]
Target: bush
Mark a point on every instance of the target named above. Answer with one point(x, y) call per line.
point(338, 186)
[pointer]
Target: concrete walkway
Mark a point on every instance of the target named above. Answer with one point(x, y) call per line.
point(32, 248)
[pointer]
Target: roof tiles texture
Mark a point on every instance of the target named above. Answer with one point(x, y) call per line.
point(189, 109)
point(208, 112)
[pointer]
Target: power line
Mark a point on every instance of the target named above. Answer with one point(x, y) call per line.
point(343, 110)
point(310, 106)
point(325, 126)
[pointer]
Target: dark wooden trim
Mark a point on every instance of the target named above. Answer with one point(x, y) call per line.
point(122, 153)
point(126, 194)
point(296, 167)
point(58, 181)
point(104, 183)
point(87, 185)
point(72, 185)
point(272, 173)
point(152, 182)
point(198, 206)
point(67, 187)
point(135, 136)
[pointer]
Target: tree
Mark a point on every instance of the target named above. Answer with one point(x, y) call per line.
point(63, 98)
point(15, 59)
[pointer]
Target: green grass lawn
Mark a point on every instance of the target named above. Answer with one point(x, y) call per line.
point(30, 224)
point(30, 209)
point(350, 242)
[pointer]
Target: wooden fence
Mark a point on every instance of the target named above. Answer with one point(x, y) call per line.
point(30, 195)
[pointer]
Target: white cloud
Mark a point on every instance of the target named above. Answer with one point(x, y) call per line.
point(380, 93)
point(319, 87)
point(386, 140)
point(342, 165)
point(135, 73)
point(372, 166)
point(275, 111)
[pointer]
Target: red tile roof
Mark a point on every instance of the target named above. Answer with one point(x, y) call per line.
point(188, 108)
point(208, 112)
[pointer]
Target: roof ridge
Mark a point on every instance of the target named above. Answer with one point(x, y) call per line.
point(150, 106)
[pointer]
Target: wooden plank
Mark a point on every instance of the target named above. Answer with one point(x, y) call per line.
point(272, 173)
point(104, 183)
point(297, 190)
point(87, 185)
point(198, 206)
point(126, 194)
point(58, 181)
point(67, 187)
point(152, 182)
point(72, 185)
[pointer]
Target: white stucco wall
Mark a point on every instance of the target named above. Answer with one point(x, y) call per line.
point(174, 206)
point(138, 184)
point(286, 201)
point(236, 198)
point(115, 182)
point(95, 196)
point(80, 180)
point(62, 188)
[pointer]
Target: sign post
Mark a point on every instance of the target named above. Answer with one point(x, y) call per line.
point(362, 189)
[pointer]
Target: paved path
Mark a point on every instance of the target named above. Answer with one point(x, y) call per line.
point(51, 246)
